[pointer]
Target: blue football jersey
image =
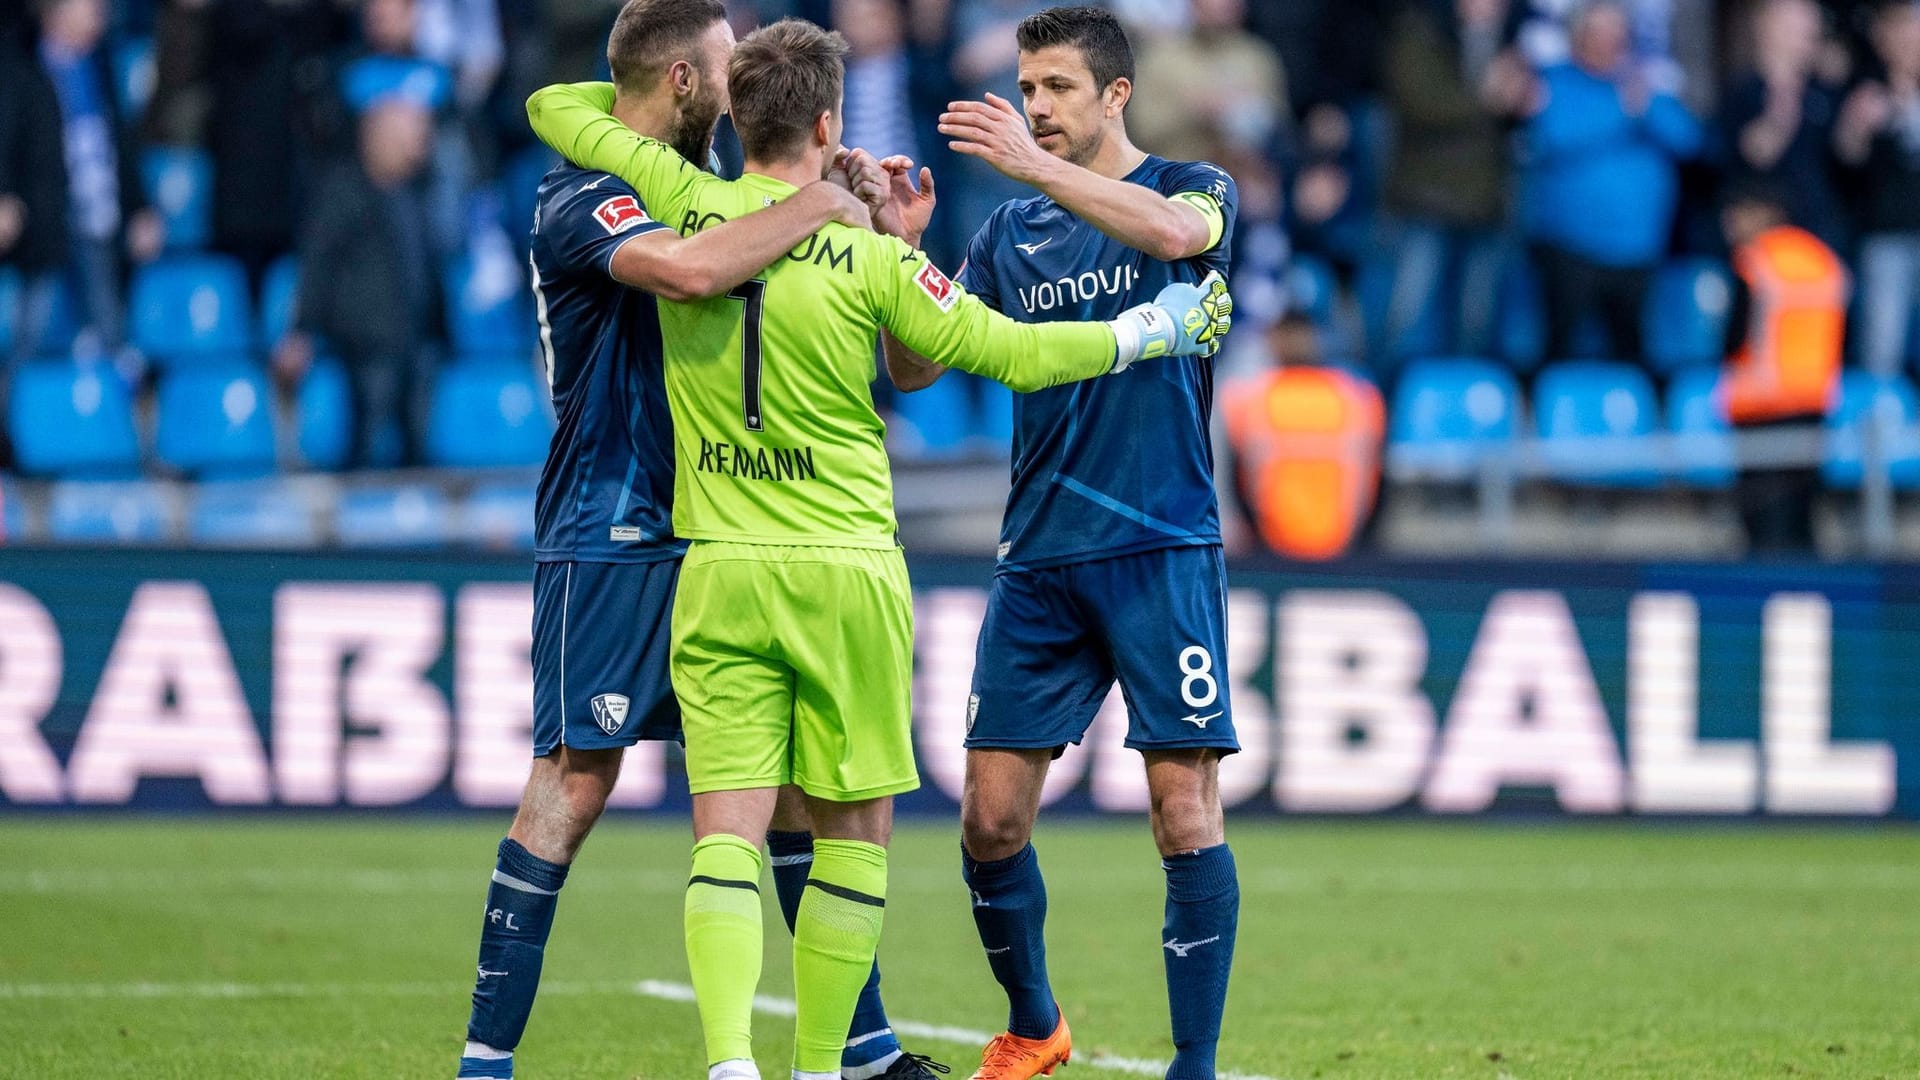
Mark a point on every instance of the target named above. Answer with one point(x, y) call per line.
point(1121, 464)
point(606, 492)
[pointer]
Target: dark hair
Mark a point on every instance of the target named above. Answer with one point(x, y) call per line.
point(648, 32)
point(1094, 31)
point(782, 78)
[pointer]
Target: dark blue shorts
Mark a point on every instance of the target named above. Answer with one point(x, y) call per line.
point(600, 654)
point(1055, 639)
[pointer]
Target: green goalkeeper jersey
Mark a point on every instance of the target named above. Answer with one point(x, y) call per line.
point(776, 438)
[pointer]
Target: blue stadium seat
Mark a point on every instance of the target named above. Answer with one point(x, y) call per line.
point(932, 423)
point(180, 182)
point(1451, 414)
point(134, 74)
point(251, 513)
point(1685, 324)
point(134, 512)
point(1860, 395)
point(216, 420)
point(994, 426)
point(73, 419)
point(488, 413)
point(501, 516)
point(371, 78)
point(1593, 417)
point(405, 516)
point(1704, 453)
point(489, 307)
point(279, 293)
point(323, 407)
point(192, 307)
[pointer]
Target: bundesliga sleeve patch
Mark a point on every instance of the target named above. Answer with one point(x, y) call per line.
point(620, 214)
point(938, 286)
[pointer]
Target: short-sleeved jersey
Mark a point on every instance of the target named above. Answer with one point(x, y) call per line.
point(1119, 465)
point(776, 436)
point(606, 492)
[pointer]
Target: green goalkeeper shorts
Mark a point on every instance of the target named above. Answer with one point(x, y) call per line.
point(795, 665)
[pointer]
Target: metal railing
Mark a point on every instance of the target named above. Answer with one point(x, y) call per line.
point(1877, 444)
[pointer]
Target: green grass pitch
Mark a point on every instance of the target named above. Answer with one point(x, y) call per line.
point(344, 947)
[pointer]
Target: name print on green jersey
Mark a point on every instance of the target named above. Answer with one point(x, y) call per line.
point(777, 464)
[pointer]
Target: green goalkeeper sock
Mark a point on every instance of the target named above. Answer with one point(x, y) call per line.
point(723, 942)
point(834, 939)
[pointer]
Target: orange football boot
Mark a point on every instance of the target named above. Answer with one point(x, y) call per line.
point(1010, 1057)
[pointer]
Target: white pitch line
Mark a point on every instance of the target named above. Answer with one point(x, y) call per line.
point(648, 988)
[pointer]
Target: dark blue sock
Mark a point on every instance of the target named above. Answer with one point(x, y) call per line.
point(871, 1044)
point(1010, 910)
point(1203, 913)
point(513, 941)
point(792, 856)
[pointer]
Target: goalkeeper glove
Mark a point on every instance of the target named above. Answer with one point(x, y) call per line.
point(1184, 320)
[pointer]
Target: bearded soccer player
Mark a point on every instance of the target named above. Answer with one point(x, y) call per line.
point(792, 632)
point(607, 557)
point(1110, 564)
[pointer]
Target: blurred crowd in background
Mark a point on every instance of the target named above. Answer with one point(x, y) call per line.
point(326, 203)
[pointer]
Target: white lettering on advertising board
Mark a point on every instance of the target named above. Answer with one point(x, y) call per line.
point(357, 717)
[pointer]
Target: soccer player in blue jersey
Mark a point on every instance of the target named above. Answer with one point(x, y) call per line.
point(607, 560)
point(1110, 565)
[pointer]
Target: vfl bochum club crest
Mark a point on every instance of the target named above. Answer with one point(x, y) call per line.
point(610, 712)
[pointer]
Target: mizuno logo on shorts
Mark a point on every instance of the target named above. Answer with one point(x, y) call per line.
point(1200, 721)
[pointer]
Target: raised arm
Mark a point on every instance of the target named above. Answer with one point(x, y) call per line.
point(1167, 228)
point(573, 120)
point(576, 120)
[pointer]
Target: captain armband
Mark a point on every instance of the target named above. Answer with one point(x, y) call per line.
point(1210, 209)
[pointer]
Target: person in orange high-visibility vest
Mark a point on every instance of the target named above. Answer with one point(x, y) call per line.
point(1306, 448)
point(1785, 339)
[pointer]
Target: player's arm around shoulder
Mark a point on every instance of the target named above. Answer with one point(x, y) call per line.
point(714, 261)
point(576, 121)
